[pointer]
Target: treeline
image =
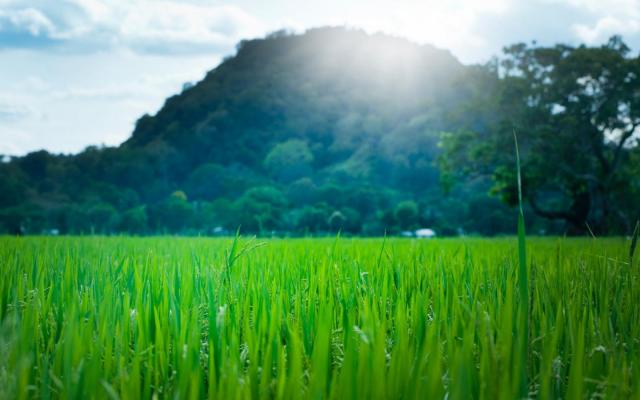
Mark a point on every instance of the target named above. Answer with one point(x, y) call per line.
point(339, 130)
point(301, 207)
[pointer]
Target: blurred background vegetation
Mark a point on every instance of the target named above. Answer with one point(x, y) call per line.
point(336, 129)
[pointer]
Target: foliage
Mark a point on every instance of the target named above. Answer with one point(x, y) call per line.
point(576, 110)
point(289, 160)
point(134, 220)
point(337, 121)
point(406, 214)
point(260, 209)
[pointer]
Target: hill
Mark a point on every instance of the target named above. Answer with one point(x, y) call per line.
point(331, 129)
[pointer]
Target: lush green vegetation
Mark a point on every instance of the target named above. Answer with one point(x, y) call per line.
point(336, 129)
point(577, 113)
point(117, 317)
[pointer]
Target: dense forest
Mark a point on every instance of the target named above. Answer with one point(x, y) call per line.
point(336, 129)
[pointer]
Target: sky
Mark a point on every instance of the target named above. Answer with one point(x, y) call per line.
point(75, 73)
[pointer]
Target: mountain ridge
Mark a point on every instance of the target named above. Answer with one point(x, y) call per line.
point(333, 123)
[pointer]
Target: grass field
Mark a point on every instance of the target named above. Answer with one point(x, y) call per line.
point(317, 318)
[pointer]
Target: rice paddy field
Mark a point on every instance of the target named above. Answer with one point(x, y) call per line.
point(340, 318)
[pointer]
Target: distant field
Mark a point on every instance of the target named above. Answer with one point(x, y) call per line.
point(316, 318)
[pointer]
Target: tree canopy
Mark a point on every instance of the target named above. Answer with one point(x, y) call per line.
point(335, 129)
point(576, 112)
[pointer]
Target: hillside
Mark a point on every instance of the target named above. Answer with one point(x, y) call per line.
point(331, 129)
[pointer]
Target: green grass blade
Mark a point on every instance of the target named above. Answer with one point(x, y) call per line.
point(523, 282)
point(634, 242)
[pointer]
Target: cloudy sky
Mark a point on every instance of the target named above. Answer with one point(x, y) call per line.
point(80, 72)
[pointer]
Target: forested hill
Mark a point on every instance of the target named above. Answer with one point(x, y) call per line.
point(333, 129)
point(326, 105)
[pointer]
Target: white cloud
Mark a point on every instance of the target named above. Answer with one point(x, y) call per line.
point(612, 17)
point(615, 7)
point(606, 27)
point(79, 72)
point(476, 30)
point(10, 112)
point(15, 142)
point(28, 20)
point(153, 26)
point(64, 102)
point(142, 25)
point(446, 24)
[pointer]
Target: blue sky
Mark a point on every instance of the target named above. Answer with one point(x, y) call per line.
point(80, 72)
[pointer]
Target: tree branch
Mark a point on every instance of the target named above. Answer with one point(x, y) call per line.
point(564, 215)
point(618, 152)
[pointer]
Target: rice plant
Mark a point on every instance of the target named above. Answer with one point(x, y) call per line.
point(315, 318)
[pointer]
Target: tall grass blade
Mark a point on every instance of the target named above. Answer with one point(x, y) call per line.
point(523, 282)
point(634, 242)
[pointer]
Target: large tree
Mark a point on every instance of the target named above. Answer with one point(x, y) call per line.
point(576, 112)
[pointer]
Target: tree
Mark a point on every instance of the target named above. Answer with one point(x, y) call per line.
point(289, 160)
point(102, 217)
point(12, 187)
point(312, 218)
point(336, 221)
point(575, 111)
point(206, 182)
point(302, 191)
point(311, 116)
point(387, 220)
point(260, 209)
point(174, 213)
point(134, 220)
point(14, 220)
point(406, 214)
point(352, 220)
